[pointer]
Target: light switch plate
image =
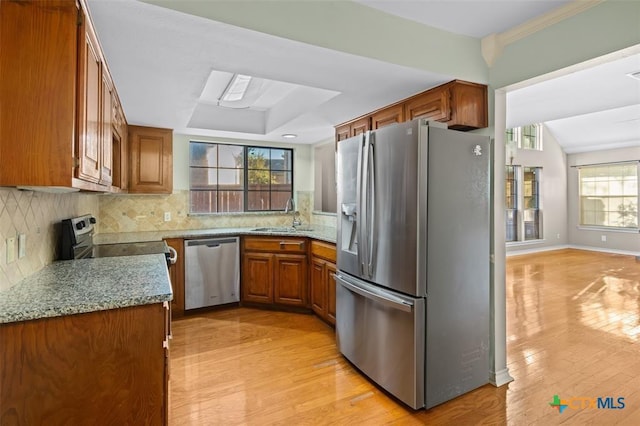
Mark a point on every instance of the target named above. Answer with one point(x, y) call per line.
point(11, 249)
point(167, 216)
point(22, 245)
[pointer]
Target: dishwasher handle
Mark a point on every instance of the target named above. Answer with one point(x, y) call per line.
point(212, 243)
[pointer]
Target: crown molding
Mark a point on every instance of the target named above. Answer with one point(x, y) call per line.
point(493, 44)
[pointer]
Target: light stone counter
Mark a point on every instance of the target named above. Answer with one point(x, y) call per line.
point(323, 233)
point(87, 285)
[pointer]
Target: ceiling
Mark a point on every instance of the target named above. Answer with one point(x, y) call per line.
point(168, 65)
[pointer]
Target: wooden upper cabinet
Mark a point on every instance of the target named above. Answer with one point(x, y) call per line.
point(106, 142)
point(151, 160)
point(353, 128)
point(469, 106)
point(56, 131)
point(38, 52)
point(89, 105)
point(360, 126)
point(390, 115)
point(120, 145)
point(433, 105)
point(343, 132)
point(460, 104)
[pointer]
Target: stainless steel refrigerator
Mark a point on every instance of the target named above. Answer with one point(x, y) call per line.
point(413, 259)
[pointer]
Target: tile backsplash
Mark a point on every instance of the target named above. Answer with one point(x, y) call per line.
point(137, 213)
point(35, 214)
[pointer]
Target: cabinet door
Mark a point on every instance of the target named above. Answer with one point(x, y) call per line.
point(331, 292)
point(318, 287)
point(468, 106)
point(343, 132)
point(176, 274)
point(151, 160)
point(38, 66)
point(290, 279)
point(391, 115)
point(89, 105)
point(360, 126)
point(257, 277)
point(106, 137)
point(434, 105)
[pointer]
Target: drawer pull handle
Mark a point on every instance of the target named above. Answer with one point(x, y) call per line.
point(300, 244)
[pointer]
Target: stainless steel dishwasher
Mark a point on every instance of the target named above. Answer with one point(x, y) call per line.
point(212, 272)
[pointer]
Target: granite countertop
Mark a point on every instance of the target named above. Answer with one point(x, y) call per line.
point(87, 285)
point(323, 233)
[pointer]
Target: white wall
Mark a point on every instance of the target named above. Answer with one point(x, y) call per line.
point(302, 160)
point(615, 240)
point(553, 190)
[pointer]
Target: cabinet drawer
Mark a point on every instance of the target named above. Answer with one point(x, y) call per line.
point(323, 250)
point(275, 245)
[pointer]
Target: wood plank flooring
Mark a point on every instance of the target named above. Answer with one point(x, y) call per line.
point(573, 324)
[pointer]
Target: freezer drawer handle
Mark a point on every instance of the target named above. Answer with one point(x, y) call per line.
point(390, 301)
point(300, 244)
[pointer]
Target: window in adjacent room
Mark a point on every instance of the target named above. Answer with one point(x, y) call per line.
point(523, 213)
point(238, 178)
point(511, 197)
point(531, 205)
point(609, 195)
point(525, 137)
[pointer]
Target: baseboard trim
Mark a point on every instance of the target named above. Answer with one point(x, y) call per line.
point(500, 378)
point(537, 250)
point(606, 250)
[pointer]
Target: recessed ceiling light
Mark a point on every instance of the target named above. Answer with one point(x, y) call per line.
point(289, 136)
point(635, 75)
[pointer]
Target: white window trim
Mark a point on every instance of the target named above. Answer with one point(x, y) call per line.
point(601, 228)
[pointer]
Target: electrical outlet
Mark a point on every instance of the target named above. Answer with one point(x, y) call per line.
point(167, 216)
point(603, 238)
point(22, 245)
point(11, 249)
point(558, 236)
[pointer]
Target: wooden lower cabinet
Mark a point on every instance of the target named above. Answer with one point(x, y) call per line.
point(274, 271)
point(104, 367)
point(331, 285)
point(176, 274)
point(323, 281)
point(290, 280)
point(257, 277)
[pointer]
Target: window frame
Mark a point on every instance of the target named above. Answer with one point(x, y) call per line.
point(245, 171)
point(517, 135)
point(612, 228)
point(520, 207)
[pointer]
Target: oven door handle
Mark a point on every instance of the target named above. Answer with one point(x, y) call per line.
point(173, 257)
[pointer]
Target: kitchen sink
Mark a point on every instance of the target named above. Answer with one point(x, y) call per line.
point(282, 229)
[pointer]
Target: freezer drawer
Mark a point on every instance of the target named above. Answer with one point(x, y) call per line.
point(382, 334)
point(212, 272)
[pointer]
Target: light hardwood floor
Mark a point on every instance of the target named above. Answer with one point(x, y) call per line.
point(573, 324)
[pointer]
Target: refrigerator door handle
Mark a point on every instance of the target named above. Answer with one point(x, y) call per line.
point(387, 300)
point(371, 212)
point(361, 206)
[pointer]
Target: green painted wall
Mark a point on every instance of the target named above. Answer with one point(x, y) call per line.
point(606, 28)
point(352, 28)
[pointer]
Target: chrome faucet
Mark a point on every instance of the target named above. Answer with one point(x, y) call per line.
point(290, 206)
